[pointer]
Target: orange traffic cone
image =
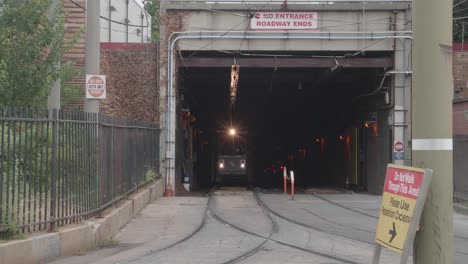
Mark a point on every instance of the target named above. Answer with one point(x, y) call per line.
point(168, 192)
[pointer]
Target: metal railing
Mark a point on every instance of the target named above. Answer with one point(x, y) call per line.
point(460, 168)
point(59, 167)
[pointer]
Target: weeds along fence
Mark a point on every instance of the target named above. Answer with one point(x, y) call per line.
point(60, 167)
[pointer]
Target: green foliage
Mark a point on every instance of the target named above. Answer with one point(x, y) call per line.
point(151, 176)
point(10, 231)
point(152, 8)
point(32, 41)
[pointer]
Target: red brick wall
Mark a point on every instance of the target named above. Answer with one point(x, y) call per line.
point(460, 70)
point(75, 22)
point(131, 75)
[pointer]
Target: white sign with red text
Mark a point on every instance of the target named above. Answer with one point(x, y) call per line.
point(284, 21)
point(95, 87)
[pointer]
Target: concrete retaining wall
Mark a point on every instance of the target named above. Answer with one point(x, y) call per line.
point(70, 240)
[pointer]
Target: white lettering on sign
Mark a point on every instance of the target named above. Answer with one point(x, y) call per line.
point(284, 21)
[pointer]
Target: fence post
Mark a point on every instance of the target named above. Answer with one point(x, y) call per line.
point(99, 173)
point(53, 180)
point(127, 21)
point(110, 20)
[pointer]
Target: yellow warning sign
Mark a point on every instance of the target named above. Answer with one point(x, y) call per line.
point(401, 190)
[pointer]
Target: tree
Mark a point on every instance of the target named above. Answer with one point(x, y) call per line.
point(32, 41)
point(152, 7)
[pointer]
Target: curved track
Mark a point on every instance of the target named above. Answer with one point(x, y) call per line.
point(251, 252)
point(306, 225)
point(275, 228)
point(373, 216)
point(369, 215)
point(182, 240)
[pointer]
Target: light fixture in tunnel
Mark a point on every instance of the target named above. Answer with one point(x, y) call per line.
point(299, 86)
point(242, 164)
point(232, 132)
point(221, 164)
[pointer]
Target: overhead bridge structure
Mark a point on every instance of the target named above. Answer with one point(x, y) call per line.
point(324, 89)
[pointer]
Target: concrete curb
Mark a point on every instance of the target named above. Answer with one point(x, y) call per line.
point(70, 240)
point(460, 209)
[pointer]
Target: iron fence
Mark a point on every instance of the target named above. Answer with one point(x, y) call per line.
point(460, 167)
point(60, 167)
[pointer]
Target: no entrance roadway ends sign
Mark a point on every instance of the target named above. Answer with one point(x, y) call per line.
point(284, 21)
point(404, 194)
point(95, 86)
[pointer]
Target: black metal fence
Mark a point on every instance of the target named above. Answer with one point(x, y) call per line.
point(59, 167)
point(460, 167)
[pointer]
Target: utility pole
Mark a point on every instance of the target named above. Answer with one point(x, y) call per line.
point(92, 49)
point(432, 142)
point(53, 101)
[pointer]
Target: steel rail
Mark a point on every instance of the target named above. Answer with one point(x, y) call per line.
point(274, 227)
point(255, 250)
point(365, 214)
point(195, 231)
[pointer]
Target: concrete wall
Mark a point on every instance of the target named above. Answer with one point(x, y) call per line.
point(378, 153)
point(68, 241)
point(329, 21)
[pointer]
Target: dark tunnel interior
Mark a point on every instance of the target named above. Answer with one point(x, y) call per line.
point(301, 118)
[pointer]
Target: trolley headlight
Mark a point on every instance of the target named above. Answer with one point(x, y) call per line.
point(242, 164)
point(221, 164)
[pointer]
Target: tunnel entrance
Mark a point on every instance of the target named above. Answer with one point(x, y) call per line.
point(327, 119)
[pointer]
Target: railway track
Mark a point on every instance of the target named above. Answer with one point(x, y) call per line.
point(211, 211)
point(275, 229)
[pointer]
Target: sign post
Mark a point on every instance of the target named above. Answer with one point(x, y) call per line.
point(405, 191)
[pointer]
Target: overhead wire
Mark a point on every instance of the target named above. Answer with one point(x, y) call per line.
point(231, 29)
point(113, 21)
point(210, 10)
point(459, 3)
point(379, 41)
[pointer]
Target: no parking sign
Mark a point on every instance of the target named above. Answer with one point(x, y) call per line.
point(398, 150)
point(95, 86)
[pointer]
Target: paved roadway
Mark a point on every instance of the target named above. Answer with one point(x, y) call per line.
point(232, 227)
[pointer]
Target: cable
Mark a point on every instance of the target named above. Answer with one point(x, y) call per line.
point(374, 92)
point(379, 41)
point(211, 10)
point(214, 40)
point(113, 21)
point(459, 3)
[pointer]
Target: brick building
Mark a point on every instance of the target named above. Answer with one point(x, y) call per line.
point(128, 57)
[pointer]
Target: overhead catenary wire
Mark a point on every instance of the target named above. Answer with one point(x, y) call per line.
point(459, 3)
point(216, 39)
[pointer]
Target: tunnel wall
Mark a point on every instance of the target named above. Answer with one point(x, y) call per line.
point(378, 153)
point(177, 18)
